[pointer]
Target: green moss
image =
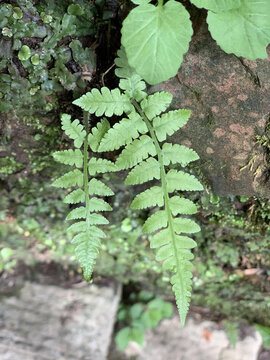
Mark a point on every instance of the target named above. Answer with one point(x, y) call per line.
point(8, 166)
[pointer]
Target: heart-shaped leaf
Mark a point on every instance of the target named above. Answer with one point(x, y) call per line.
point(244, 31)
point(155, 39)
point(217, 5)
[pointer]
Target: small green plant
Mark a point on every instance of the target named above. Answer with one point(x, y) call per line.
point(146, 312)
point(156, 37)
point(139, 135)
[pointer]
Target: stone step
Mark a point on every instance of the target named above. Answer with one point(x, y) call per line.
point(47, 322)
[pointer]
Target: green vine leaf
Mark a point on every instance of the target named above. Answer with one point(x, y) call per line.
point(217, 5)
point(244, 31)
point(156, 38)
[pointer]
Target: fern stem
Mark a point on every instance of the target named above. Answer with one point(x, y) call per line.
point(163, 184)
point(85, 169)
point(160, 2)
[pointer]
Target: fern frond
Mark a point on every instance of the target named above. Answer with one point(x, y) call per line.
point(179, 180)
point(100, 166)
point(178, 154)
point(148, 198)
point(145, 171)
point(135, 152)
point(73, 129)
point(72, 178)
point(174, 250)
point(155, 104)
point(170, 122)
point(69, 157)
point(87, 236)
point(75, 197)
point(97, 133)
point(123, 133)
point(105, 101)
point(96, 187)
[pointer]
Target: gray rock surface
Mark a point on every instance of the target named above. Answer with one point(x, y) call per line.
point(198, 340)
point(53, 323)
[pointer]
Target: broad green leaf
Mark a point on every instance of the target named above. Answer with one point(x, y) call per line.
point(244, 31)
point(155, 104)
point(217, 5)
point(135, 152)
point(105, 101)
point(178, 180)
point(123, 338)
point(100, 166)
point(137, 335)
point(75, 9)
point(148, 198)
point(183, 206)
point(75, 197)
point(96, 187)
point(170, 122)
point(145, 171)
point(73, 129)
point(97, 134)
point(155, 39)
point(136, 310)
point(24, 53)
point(71, 178)
point(156, 221)
point(69, 157)
point(123, 133)
point(178, 154)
